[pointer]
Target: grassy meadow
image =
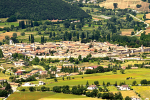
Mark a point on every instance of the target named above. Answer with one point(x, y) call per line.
point(41, 96)
point(136, 74)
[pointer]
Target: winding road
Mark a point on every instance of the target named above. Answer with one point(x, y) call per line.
point(140, 21)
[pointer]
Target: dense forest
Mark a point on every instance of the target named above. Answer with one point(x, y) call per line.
point(40, 10)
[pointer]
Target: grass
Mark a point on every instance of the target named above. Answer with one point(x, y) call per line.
point(8, 24)
point(112, 88)
point(144, 91)
point(136, 74)
point(3, 76)
point(38, 66)
point(40, 95)
point(130, 93)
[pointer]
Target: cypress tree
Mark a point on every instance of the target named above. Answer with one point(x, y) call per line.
point(1, 54)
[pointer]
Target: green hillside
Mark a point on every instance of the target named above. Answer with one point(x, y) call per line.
point(40, 9)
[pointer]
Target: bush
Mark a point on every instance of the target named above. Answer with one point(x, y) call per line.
point(23, 34)
point(23, 90)
point(32, 89)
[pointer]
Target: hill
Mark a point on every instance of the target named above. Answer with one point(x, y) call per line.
point(40, 9)
point(122, 4)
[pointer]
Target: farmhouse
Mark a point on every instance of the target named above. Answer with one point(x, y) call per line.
point(28, 84)
point(19, 63)
point(124, 87)
point(18, 73)
point(41, 83)
point(92, 87)
point(2, 80)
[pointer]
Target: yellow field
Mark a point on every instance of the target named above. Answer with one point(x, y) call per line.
point(70, 99)
point(144, 91)
point(127, 93)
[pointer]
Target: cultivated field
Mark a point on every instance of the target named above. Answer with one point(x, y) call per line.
point(126, 32)
point(43, 96)
point(127, 93)
point(144, 91)
point(2, 35)
point(122, 4)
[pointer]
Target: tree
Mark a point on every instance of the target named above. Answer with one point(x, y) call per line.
point(36, 23)
point(99, 95)
point(21, 24)
point(31, 89)
point(15, 35)
point(87, 84)
point(55, 79)
point(1, 54)
point(132, 33)
point(22, 34)
point(144, 17)
point(115, 5)
point(103, 83)
point(127, 98)
point(138, 6)
point(32, 38)
point(12, 19)
point(100, 89)
point(43, 88)
point(122, 71)
point(80, 57)
point(96, 82)
point(114, 71)
point(134, 83)
point(66, 24)
point(144, 82)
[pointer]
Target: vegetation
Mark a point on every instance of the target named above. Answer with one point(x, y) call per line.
point(39, 10)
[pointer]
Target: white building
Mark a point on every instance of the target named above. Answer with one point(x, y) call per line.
point(124, 87)
point(19, 63)
point(92, 87)
point(41, 83)
point(28, 84)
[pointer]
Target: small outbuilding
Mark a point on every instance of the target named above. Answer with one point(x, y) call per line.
point(92, 87)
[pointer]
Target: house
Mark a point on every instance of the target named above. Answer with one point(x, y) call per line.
point(43, 72)
point(74, 74)
point(42, 83)
point(3, 88)
point(19, 63)
point(18, 73)
point(134, 67)
point(92, 87)
point(2, 80)
point(62, 74)
point(28, 84)
point(14, 84)
point(124, 87)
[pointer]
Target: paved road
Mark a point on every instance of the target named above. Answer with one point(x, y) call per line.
point(140, 21)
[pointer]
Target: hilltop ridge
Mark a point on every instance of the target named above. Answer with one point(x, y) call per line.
point(40, 10)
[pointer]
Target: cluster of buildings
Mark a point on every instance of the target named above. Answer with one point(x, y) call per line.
point(67, 49)
point(20, 73)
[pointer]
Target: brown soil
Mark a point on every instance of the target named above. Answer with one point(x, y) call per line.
point(2, 36)
point(122, 4)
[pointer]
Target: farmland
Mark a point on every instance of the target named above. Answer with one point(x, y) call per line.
point(41, 96)
point(144, 91)
point(122, 4)
point(136, 74)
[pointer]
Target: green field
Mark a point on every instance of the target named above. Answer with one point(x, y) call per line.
point(136, 74)
point(40, 95)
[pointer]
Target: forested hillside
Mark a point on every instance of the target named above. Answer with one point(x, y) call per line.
point(40, 9)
